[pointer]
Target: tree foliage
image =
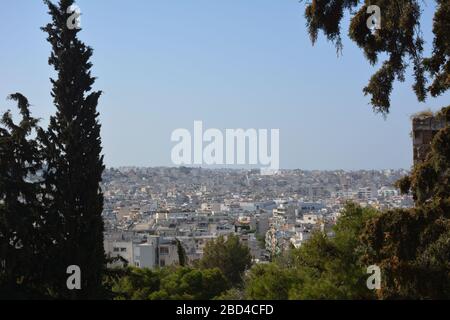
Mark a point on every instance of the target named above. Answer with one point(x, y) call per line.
point(270, 282)
point(412, 246)
point(180, 283)
point(323, 268)
point(229, 256)
point(399, 38)
point(182, 257)
point(74, 165)
point(50, 197)
point(21, 245)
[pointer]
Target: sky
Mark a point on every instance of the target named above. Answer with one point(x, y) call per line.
point(163, 64)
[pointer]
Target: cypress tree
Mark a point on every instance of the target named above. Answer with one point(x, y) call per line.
point(182, 258)
point(74, 164)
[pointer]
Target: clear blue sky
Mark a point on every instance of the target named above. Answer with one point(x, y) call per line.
point(239, 63)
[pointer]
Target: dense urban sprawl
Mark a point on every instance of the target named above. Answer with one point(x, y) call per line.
point(148, 212)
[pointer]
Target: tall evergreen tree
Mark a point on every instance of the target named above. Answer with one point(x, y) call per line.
point(20, 210)
point(74, 199)
point(182, 258)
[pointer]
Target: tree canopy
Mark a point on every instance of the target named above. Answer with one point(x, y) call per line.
point(50, 197)
point(399, 39)
point(229, 256)
point(323, 268)
point(74, 164)
point(412, 246)
point(177, 283)
point(22, 246)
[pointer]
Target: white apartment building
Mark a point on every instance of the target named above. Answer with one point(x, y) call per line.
point(155, 252)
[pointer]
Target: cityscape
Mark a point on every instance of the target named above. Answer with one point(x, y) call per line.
point(147, 209)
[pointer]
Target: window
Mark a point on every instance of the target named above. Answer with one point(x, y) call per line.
point(164, 251)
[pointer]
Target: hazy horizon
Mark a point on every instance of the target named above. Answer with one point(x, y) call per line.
point(237, 168)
